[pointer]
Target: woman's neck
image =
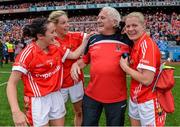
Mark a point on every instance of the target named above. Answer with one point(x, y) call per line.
point(42, 45)
point(61, 35)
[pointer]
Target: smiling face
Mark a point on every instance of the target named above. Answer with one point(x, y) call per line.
point(134, 28)
point(105, 23)
point(62, 26)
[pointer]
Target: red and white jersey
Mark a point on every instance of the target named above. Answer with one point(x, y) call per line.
point(145, 55)
point(72, 41)
point(107, 80)
point(41, 71)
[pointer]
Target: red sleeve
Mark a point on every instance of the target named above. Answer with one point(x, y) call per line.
point(149, 55)
point(23, 60)
point(86, 58)
point(79, 36)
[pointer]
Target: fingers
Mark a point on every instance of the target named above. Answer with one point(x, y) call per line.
point(93, 32)
point(21, 124)
point(90, 34)
point(124, 60)
point(75, 71)
point(74, 76)
point(124, 63)
point(27, 121)
point(19, 119)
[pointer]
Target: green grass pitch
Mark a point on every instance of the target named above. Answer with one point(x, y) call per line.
point(5, 113)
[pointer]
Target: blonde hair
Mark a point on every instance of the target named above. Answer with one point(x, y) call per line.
point(113, 13)
point(139, 15)
point(53, 17)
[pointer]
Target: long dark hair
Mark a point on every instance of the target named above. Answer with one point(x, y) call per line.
point(38, 26)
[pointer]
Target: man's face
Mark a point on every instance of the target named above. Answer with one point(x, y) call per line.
point(134, 28)
point(105, 23)
point(62, 26)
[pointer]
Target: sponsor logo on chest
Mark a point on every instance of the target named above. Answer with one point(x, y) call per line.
point(118, 47)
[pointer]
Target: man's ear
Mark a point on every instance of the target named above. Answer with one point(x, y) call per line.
point(115, 23)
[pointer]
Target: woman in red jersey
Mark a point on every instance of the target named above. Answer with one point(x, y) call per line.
point(39, 66)
point(71, 40)
point(144, 109)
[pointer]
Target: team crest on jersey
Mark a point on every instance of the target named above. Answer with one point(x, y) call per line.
point(118, 47)
point(159, 111)
point(50, 62)
point(27, 103)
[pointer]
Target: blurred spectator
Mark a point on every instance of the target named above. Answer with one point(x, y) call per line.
point(4, 52)
point(178, 40)
point(69, 2)
point(18, 47)
point(1, 54)
point(163, 46)
point(10, 47)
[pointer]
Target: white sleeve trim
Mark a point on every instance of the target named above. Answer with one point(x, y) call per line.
point(142, 66)
point(65, 55)
point(19, 68)
point(84, 37)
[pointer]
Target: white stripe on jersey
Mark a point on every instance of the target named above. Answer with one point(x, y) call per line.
point(61, 75)
point(25, 53)
point(65, 55)
point(145, 44)
point(153, 51)
point(34, 86)
point(143, 48)
point(108, 42)
point(150, 68)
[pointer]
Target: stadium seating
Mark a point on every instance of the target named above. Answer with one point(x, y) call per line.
point(160, 24)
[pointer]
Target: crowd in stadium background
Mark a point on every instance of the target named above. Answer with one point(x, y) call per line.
point(162, 25)
point(71, 2)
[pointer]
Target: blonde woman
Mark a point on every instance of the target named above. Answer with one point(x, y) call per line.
point(71, 40)
point(144, 109)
